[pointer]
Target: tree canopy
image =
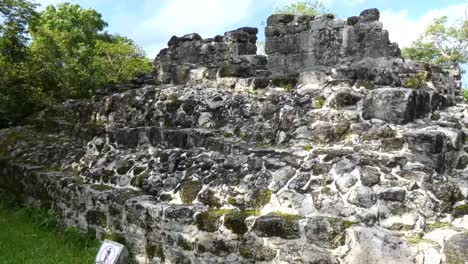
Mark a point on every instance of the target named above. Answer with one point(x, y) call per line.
point(309, 8)
point(441, 44)
point(60, 53)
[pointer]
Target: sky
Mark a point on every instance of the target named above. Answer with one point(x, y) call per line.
point(151, 23)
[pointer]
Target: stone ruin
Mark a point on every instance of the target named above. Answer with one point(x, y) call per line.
point(330, 149)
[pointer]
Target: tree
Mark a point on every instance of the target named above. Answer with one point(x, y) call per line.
point(62, 50)
point(58, 54)
point(441, 44)
point(73, 57)
point(17, 97)
point(16, 16)
point(303, 8)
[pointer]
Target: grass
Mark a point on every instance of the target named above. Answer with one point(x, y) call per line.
point(30, 236)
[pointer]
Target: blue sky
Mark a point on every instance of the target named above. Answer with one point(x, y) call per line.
point(152, 22)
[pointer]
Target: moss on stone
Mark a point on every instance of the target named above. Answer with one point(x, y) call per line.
point(201, 248)
point(260, 198)
point(286, 82)
point(307, 147)
point(208, 221)
point(155, 250)
point(96, 217)
point(184, 244)
point(436, 225)
point(257, 252)
point(189, 191)
point(347, 224)
point(319, 101)
point(288, 217)
point(228, 134)
point(114, 236)
point(341, 129)
point(137, 181)
point(418, 239)
point(232, 201)
point(460, 210)
point(400, 227)
point(150, 250)
point(278, 224)
point(165, 197)
point(365, 84)
point(101, 187)
point(236, 223)
point(247, 252)
point(173, 96)
point(252, 92)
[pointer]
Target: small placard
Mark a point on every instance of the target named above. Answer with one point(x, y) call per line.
point(109, 253)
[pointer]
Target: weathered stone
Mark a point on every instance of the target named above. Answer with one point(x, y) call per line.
point(393, 194)
point(189, 191)
point(369, 245)
point(455, 249)
point(448, 193)
point(345, 98)
point(430, 148)
point(325, 231)
point(362, 196)
point(395, 105)
point(372, 14)
point(392, 144)
point(370, 176)
point(209, 198)
point(281, 177)
point(235, 221)
point(345, 182)
point(286, 227)
point(462, 162)
point(208, 221)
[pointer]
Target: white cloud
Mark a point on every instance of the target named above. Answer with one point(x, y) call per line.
point(179, 17)
point(404, 30)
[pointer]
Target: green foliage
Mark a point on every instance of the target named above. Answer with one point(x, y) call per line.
point(68, 56)
point(16, 16)
point(416, 81)
point(309, 8)
point(465, 95)
point(118, 59)
point(441, 44)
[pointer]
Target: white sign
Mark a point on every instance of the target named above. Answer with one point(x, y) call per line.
point(109, 253)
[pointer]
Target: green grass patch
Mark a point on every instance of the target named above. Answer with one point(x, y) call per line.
point(31, 236)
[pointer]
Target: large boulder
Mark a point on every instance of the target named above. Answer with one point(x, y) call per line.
point(456, 249)
point(396, 105)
